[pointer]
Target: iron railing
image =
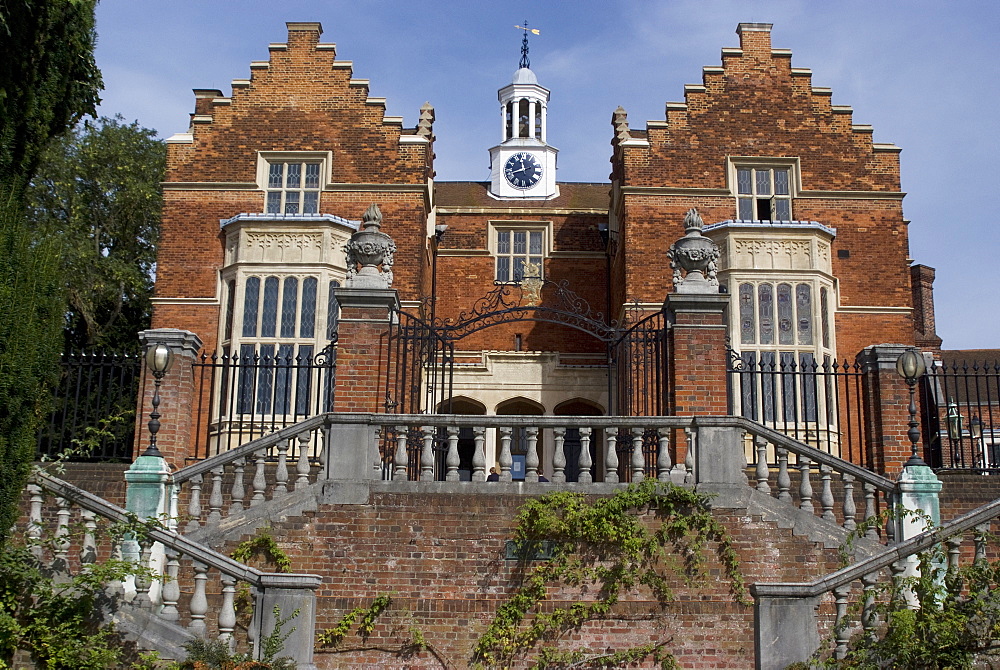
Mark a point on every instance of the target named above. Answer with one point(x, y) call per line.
point(960, 415)
point(819, 403)
point(93, 414)
point(240, 399)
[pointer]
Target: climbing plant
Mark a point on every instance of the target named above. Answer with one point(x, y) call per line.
point(645, 535)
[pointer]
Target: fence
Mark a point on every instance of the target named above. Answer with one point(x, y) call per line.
point(819, 403)
point(242, 398)
point(960, 415)
point(93, 415)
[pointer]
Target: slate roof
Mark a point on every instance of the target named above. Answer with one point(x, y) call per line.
point(572, 195)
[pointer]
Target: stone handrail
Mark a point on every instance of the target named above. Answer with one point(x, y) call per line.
point(288, 592)
point(787, 630)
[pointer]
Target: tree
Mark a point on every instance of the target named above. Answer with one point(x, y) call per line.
point(97, 190)
point(47, 83)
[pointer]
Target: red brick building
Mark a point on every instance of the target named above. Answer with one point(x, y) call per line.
point(534, 282)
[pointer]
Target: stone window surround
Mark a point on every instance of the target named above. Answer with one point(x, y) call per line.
point(266, 158)
point(497, 226)
point(793, 165)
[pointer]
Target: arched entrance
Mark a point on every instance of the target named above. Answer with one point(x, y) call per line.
point(572, 443)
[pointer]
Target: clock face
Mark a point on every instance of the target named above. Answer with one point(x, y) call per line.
point(522, 170)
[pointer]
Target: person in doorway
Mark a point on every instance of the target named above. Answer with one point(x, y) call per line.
point(493, 476)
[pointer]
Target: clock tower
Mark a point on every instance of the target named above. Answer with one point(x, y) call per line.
point(523, 165)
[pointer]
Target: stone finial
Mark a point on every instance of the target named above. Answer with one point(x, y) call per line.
point(696, 256)
point(426, 122)
point(372, 250)
point(620, 121)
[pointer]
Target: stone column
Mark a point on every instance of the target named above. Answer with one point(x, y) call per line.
point(886, 400)
point(178, 401)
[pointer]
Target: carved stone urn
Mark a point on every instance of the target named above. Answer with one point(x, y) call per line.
point(695, 256)
point(372, 250)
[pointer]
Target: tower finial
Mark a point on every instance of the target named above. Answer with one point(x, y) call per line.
point(524, 43)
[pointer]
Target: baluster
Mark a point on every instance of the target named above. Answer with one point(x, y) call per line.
point(585, 476)
point(479, 455)
point(953, 580)
point(531, 458)
point(805, 485)
point(88, 547)
point(850, 509)
point(506, 460)
point(979, 540)
point(427, 454)
point(840, 626)
point(239, 490)
point(259, 478)
point(890, 527)
point(559, 456)
point(826, 493)
point(611, 458)
point(61, 544)
point(452, 460)
point(898, 571)
point(143, 579)
point(784, 479)
point(869, 615)
point(763, 472)
point(215, 498)
point(692, 438)
point(663, 462)
point(194, 504)
point(281, 472)
point(302, 465)
point(170, 591)
point(35, 520)
point(400, 458)
point(638, 461)
point(872, 532)
point(227, 615)
point(199, 602)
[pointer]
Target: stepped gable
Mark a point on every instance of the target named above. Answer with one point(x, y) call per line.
point(300, 99)
point(778, 111)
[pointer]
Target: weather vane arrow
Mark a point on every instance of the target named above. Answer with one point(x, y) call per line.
point(524, 42)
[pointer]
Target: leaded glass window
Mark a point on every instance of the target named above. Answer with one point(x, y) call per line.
point(514, 250)
point(293, 188)
point(763, 194)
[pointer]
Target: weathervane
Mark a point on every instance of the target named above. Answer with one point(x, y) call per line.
point(524, 42)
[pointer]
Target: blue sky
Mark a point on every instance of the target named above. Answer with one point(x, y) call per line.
point(919, 71)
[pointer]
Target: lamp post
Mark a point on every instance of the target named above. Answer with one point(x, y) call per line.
point(158, 360)
point(910, 366)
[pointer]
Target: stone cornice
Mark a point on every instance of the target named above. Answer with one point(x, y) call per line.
point(872, 309)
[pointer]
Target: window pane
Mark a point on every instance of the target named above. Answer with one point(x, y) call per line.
point(503, 269)
point(746, 209)
point(307, 325)
point(781, 182)
point(782, 209)
point(251, 295)
point(789, 388)
point(535, 243)
point(289, 306)
point(312, 175)
point(283, 371)
point(303, 364)
point(269, 317)
point(763, 182)
point(747, 330)
point(294, 179)
point(332, 312)
point(749, 380)
point(291, 202)
point(503, 242)
point(520, 242)
point(743, 185)
point(766, 304)
point(768, 377)
point(807, 364)
point(245, 386)
point(274, 175)
point(265, 379)
point(230, 307)
point(310, 203)
point(518, 269)
point(785, 317)
point(824, 315)
point(274, 202)
point(803, 308)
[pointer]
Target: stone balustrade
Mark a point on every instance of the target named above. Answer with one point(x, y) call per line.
point(241, 478)
point(789, 616)
point(190, 576)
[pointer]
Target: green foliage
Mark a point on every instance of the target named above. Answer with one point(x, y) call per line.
point(32, 305)
point(56, 617)
point(263, 545)
point(333, 637)
point(216, 655)
point(607, 549)
point(48, 81)
point(951, 621)
point(97, 191)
